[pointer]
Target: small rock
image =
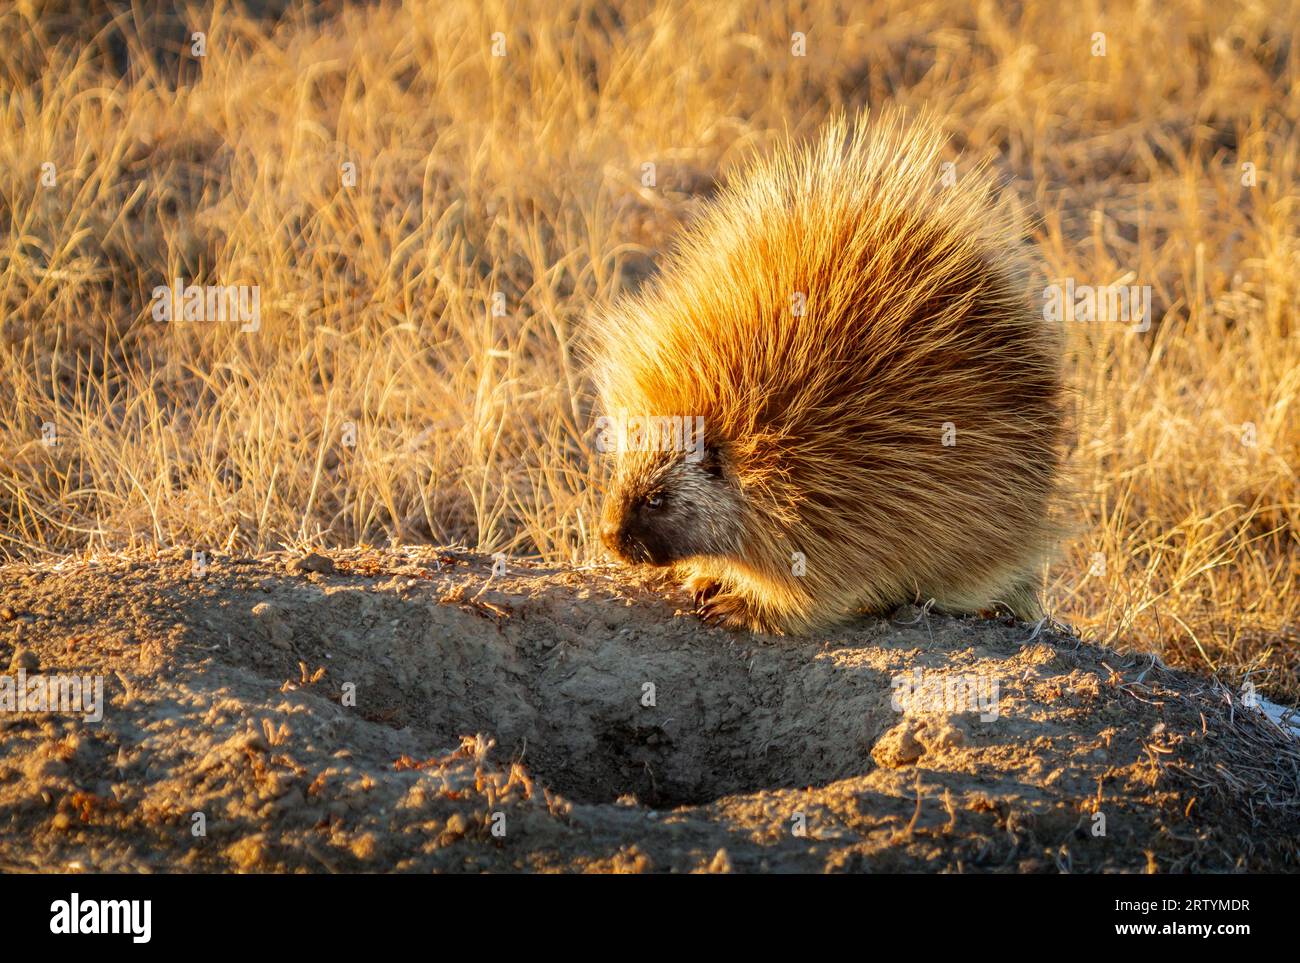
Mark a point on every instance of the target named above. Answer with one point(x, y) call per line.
point(942, 734)
point(897, 747)
point(24, 659)
point(311, 562)
point(365, 846)
point(7, 614)
point(266, 612)
point(277, 633)
point(248, 853)
point(721, 862)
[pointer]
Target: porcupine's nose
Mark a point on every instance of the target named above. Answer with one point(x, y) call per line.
point(623, 539)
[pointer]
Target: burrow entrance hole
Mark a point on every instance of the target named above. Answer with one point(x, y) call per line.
point(705, 731)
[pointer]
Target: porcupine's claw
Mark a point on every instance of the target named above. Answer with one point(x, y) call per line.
point(702, 588)
point(728, 610)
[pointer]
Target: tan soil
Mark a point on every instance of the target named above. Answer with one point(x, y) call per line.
point(519, 703)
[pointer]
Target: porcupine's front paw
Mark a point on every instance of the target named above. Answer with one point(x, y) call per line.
point(702, 588)
point(729, 610)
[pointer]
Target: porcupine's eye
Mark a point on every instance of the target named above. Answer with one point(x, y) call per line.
point(654, 501)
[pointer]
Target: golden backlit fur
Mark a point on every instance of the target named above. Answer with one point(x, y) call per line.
point(825, 428)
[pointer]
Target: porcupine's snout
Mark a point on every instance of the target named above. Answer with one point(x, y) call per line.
point(644, 528)
point(614, 538)
point(632, 536)
point(673, 509)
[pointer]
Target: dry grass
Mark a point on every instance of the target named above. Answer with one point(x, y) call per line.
point(522, 175)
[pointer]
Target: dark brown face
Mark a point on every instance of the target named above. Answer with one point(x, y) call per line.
point(636, 533)
point(663, 509)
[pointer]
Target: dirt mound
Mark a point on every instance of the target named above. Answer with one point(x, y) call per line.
point(414, 711)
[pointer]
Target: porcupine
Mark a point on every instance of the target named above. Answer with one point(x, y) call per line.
point(880, 397)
